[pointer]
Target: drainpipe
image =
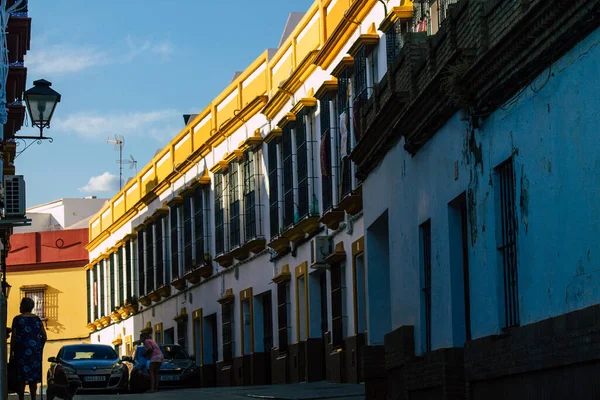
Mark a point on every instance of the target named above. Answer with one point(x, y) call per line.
point(3, 352)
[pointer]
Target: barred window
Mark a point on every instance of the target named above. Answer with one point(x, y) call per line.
point(325, 153)
point(182, 327)
point(37, 293)
point(425, 231)
point(160, 275)
point(283, 314)
point(343, 111)
point(96, 294)
point(101, 283)
point(337, 306)
point(88, 283)
point(273, 189)
point(288, 177)
point(128, 268)
point(174, 242)
point(111, 284)
point(219, 215)
point(187, 233)
point(199, 223)
point(249, 195)
point(302, 165)
point(150, 257)
point(234, 206)
point(121, 268)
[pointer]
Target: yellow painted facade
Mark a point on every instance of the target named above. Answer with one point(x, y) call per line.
point(263, 87)
point(64, 306)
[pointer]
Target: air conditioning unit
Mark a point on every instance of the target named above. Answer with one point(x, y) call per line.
point(14, 196)
point(320, 249)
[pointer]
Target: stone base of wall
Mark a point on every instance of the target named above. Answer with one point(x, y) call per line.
point(279, 367)
point(556, 358)
point(225, 374)
point(208, 375)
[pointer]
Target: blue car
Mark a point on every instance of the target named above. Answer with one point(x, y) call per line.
point(177, 370)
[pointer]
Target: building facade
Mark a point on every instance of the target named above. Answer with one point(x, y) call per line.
point(376, 199)
point(47, 264)
point(478, 152)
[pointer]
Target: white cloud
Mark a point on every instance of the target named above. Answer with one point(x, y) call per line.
point(64, 59)
point(68, 58)
point(94, 125)
point(105, 182)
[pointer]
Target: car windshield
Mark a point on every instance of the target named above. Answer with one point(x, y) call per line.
point(88, 352)
point(170, 352)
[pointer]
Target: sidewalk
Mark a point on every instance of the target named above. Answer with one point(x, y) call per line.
point(298, 391)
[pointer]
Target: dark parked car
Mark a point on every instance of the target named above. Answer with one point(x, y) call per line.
point(97, 366)
point(177, 370)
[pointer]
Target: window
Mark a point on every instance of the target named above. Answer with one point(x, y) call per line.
point(288, 177)
point(111, 285)
point(301, 302)
point(227, 328)
point(182, 327)
point(394, 40)
point(160, 274)
point(273, 189)
point(96, 295)
point(302, 165)
point(128, 269)
point(337, 306)
point(426, 279)
point(343, 111)
point(325, 153)
point(507, 241)
point(140, 252)
point(150, 257)
point(362, 86)
point(219, 215)
point(88, 283)
point(249, 196)
point(121, 267)
point(37, 293)
point(158, 333)
point(247, 322)
point(174, 242)
point(359, 286)
point(102, 280)
point(187, 233)
point(283, 312)
point(234, 206)
point(199, 223)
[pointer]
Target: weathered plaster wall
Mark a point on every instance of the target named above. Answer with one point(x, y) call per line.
point(551, 130)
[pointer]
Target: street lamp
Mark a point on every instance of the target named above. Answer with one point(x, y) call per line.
point(41, 101)
point(5, 289)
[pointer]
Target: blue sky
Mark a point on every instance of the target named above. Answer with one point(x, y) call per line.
point(132, 68)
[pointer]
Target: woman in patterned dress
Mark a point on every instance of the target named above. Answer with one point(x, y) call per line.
point(155, 355)
point(27, 344)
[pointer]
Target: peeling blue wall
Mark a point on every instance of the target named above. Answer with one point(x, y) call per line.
point(552, 131)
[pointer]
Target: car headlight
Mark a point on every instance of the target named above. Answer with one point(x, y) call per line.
point(117, 368)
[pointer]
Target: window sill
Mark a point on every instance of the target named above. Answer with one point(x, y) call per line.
point(255, 245)
point(177, 283)
point(353, 202)
point(280, 243)
point(332, 218)
point(224, 259)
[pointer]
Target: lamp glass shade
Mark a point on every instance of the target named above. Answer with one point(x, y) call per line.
point(41, 101)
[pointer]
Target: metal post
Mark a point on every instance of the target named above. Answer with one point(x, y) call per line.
point(3, 349)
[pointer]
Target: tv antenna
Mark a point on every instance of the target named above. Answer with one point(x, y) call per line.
point(132, 163)
point(118, 142)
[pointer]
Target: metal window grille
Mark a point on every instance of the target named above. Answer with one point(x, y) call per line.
point(89, 295)
point(508, 242)
point(249, 195)
point(187, 233)
point(199, 223)
point(219, 215)
point(302, 165)
point(102, 282)
point(337, 318)
point(234, 206)
point(128, 267)
point(160, 274)
point(227, 328)
point(394, 40)
point(443, 9)
point(343, 106)
point(360, 73)
point(140, 251)
point(95, 293)
point(273, 189)
point(39, 299)
point(174, 242)
point(121, 267)
point(149, 258)
point(288, 179)
point(111, 285)
point(182, 328)
point(326, 170)
point(426, 254)
point(282, 315)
